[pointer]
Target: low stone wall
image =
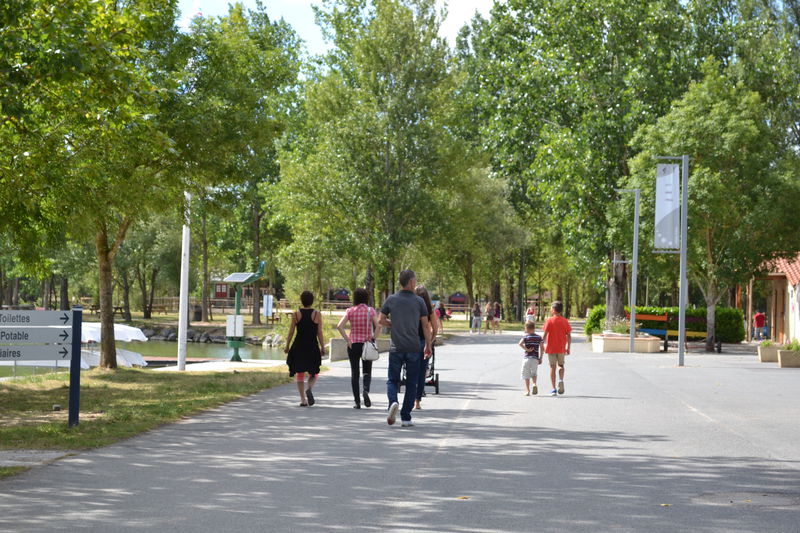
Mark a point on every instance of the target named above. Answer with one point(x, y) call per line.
point(788, 359)
point(768, 354)
point(622, 343)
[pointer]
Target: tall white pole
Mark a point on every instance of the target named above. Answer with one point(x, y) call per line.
point(683, 282)
point(183, 308)
point(635, 268)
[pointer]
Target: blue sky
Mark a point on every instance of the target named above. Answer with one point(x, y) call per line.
point(299, 14)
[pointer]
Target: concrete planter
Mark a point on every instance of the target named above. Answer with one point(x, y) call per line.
point(788, 359)
point(768, 354)
point(621, 343)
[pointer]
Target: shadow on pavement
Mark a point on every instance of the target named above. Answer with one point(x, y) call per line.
point(262, 464)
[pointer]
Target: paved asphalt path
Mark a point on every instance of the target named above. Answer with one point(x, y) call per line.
point(635, 444)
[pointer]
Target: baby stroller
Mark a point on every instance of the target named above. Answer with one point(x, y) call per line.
point(431, 376)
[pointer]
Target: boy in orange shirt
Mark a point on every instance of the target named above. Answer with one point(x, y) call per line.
point(557, 342)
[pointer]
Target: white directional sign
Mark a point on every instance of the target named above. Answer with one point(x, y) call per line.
point(35, 335)
point(33, 352)
point(35, 318)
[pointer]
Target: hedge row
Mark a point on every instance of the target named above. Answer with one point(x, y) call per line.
point(729, 321)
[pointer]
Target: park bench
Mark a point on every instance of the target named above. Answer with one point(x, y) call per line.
point(670, 328)
point(95, 309)
point(158, 309)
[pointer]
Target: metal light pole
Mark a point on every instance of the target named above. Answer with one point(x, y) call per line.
point(684, 288)
point(684, 236)
point(634, 264)
point(183, 307)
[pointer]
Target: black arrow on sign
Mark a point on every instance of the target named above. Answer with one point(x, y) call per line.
point(64, 318)
point(64, 352)
point(64, 335)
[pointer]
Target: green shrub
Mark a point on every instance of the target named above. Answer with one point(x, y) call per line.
point(793, 346)
point(730, 324)
point(594, 320)
point(729, 321)
point(766, 344)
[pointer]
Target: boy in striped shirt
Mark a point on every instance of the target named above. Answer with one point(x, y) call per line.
point(531, 359)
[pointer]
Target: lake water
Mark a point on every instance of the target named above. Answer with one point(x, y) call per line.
point(200, 349)
point(170, 349)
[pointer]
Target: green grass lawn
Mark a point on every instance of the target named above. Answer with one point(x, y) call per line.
point(115, 404)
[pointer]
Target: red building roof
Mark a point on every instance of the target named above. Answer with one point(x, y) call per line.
point(790, 268)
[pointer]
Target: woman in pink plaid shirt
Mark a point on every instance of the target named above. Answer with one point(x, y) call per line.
point(363, 327)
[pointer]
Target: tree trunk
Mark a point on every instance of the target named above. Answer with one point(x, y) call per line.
point(258, 214)
point(206, 276)
point(105, 252)
point(15, 291)
point(568, 300)
point(142, 281)
point(712, 295)
point(711, 325)
point(318, 283)
point(539, 306)
point(369, 284)
point(2, 287)
point(63, 298)
point(46, 293)
point(469, 281)
point(152, 294)
point(615, 292)
point(126, 296)
point(495, 291)
point(509, 309)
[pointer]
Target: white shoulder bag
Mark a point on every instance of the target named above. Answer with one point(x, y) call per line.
point(369, 352)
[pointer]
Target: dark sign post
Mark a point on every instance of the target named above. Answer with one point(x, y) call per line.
point(45, 336)
point(75, 368)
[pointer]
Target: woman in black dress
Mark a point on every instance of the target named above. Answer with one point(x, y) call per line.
point(305, 354)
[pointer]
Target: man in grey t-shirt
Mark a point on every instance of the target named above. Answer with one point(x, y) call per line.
point(405, 313)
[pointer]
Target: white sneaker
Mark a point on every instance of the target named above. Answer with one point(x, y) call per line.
point(392, 413)
point(407, 424)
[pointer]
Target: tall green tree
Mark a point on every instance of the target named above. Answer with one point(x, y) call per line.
point(565, 86)
point(81, 102)
point(743, 190)
point(377, 113)
point(236, 101)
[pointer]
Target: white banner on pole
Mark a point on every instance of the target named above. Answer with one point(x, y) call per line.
point(266, 309)
point(668, 207)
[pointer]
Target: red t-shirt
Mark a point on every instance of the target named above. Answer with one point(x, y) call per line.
point(557, 328)
point(760, 319)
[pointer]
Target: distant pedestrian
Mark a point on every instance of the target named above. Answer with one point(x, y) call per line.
point(441, 312)
point(498, 316)
point(488, 312)
point(531, 358)
point(363, 321)
point(759, 325)
point(433, 323)
point(530, 314)
point(404, 312)
point(557, 343)
point(475, 324)
point(305, 354)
